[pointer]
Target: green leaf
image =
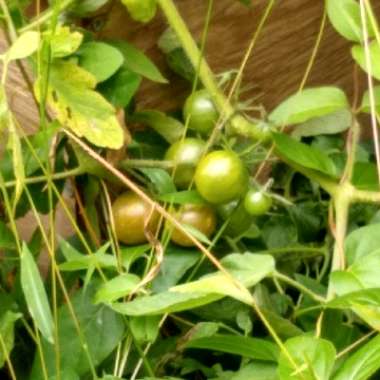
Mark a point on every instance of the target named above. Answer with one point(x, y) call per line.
point(141, 10)
point(329, 124)
point(84, 7)
point(118, 287)
point(247, 268)
point(365, 176)
point(169, 128)
point(362, 364)
point(304, 155)
point(314, 359)
point(161, 180)
point(64, 42)
point(7, 324)
point(256, 371)
point(101, 331)
point(7, 240)
point(242, 346)
point(345, 16)
point(308, 104)
point(366, 104)
point(361, 242)
point(25, 45)
point(365, 303)
point(100, 59)
point(166, 302)
point(176, 263)
point(121, 87)
point(137, 62)
point(35, 295)
point(145, 329)
point(182, 197)
point(359, 54)
point(79, 107)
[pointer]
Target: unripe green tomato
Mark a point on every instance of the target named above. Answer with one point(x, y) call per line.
point(201, 111)
point(201, 217)
point(257, 202)
point(239, 219)
point(185, 154)
point(130, 215)
point(221, 177)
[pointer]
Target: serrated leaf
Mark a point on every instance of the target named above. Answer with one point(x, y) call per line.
point(345, 16)
point(35, 295)
point(308, 104)
point(100, 59)
point(26, 44)
point(304, 155)
point(359, 54)
point(182, 197)
point(77, 106)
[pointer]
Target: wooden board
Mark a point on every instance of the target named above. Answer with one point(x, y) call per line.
point(275, 69)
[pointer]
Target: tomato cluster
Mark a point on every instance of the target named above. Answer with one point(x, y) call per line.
point(219, 176)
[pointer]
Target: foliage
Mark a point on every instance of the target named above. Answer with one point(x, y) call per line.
point(288, 288)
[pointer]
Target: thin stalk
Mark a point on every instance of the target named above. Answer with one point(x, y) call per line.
point(46, 16)
point(43, 178)
point(298, 286)
point(239, 124)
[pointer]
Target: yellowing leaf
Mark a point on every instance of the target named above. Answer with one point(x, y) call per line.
point(24, 46)
point(78, 106)
point(64, 42)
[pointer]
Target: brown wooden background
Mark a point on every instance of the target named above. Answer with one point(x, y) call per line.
point(275, 68)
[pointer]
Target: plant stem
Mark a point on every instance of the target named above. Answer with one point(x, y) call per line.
point(137, 163)
point(44, 17)
point(238, 123)
point(57, 176)
point(298, 286)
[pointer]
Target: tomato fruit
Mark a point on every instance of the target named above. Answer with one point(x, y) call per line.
point(256, 202)
point(201, 217)
point(130, 215)
point(186, 155)
point(221, 177)
point(201, 111)
point(239, 219)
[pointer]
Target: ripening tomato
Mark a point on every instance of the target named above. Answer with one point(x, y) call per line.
point(201, 217)
point(186, 155)
point(131, 216)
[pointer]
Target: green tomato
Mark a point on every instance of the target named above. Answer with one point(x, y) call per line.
point(257, 202)
point(201, 217)
point(239, 219)
point(132, 215)
point(201, 111)
point(221, 177)
point(186, 155)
